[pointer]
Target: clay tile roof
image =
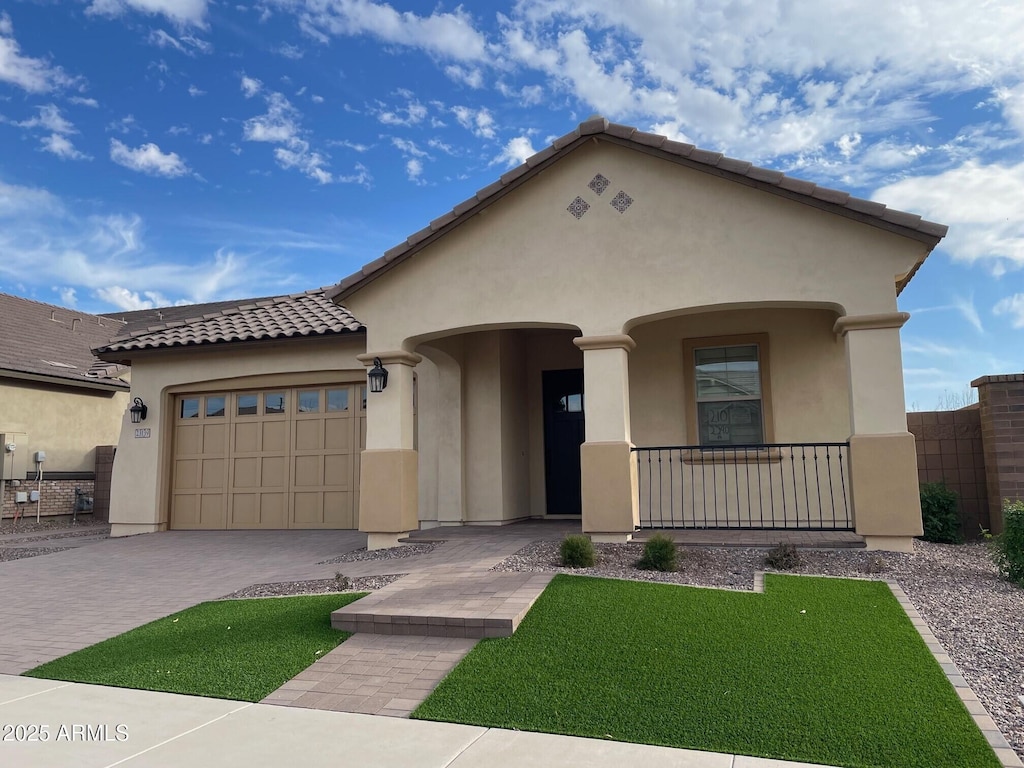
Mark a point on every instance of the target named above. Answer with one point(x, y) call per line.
point(54, 343)
point(835, 201)
point(276, 317)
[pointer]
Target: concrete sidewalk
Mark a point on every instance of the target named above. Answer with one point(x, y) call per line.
point(137, 729)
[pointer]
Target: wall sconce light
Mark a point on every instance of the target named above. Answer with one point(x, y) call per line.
point(138, 411)
point(378, 376)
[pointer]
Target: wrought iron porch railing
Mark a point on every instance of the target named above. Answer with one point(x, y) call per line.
point(777, 485)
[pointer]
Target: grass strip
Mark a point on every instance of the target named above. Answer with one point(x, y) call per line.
point(228, 649)
point(814, 670)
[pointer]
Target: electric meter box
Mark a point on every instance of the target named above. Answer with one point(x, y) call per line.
point(13, 455)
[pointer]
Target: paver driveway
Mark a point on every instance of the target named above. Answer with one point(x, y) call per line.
point(54, 604)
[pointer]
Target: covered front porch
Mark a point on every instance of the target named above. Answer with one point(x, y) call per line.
point(706, 419)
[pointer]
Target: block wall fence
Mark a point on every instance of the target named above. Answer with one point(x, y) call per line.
point(977, 451)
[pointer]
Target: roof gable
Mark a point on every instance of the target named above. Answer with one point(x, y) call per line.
point(599, 129)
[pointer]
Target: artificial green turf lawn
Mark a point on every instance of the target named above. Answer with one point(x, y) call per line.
point(229, 649)
point(848, 683)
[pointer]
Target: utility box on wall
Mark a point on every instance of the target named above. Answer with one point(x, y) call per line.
point(13, 455)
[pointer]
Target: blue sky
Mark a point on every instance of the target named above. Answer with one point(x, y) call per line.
point(167, 151)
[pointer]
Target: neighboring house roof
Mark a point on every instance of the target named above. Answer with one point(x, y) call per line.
point(44, 342)
point(139, 320)
point(776, 182)
point(276, 317)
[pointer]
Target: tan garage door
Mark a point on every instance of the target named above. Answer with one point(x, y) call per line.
point(273, 458)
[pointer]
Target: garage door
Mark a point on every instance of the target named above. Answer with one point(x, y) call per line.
point(273, 458)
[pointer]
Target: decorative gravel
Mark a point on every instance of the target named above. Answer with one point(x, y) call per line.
point(28, 524)
point(314, 587)
point(20, 553)
point(978, 617)
point(390, 553)
point(103, 532)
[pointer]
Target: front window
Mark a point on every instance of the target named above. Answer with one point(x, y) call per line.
point(728, 390)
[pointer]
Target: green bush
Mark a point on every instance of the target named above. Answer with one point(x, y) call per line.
point(784, 557)
point(659, 554)
point(1008, 546)
point(577, 551)
point(938, 512)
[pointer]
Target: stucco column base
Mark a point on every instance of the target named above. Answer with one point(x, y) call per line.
point(388, 495)
point(890, 543)
point(384, 540)
point(611, 538)
point(131, 529)
point(884, 490)
point(608, 476)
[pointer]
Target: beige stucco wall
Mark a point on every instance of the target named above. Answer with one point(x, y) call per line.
point(138, 499)
point(689, 240)
point(67, 424)
point(807, 371)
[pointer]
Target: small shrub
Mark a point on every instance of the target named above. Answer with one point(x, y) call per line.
point(577, 551)
point(1008, 546)
point(659, 554)
point(784, 557)
point(938, 512)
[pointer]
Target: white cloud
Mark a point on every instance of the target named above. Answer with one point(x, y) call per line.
point(205, 138)
point(470, 76)
point(21, 202)
point(1013, 307)
point(181, 12)
point(280, 125)
point(408, 147)
point(515, 152)
point(448, 35)
point(124, 125)
point(195, 91)
point(60, 146)
point(250, 86)
point(316, 99)
point(148, 159)
point(188, 44)
point(50, 119)
point(980, 203)
point(290, 51)
point(122, 298)
point(411, 113)
point(84, 102)
point(479, 121)
point(31, 74)
point(67, 296)
point(414, 170)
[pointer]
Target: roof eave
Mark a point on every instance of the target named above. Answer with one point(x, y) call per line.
point(106, 386)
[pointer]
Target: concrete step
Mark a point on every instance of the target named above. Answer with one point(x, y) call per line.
point(445, 604)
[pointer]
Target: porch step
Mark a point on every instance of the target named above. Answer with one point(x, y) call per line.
point(428, 604)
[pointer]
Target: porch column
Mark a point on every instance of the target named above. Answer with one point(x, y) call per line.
point(388, 482)
point(608, 474)
point(883, 460)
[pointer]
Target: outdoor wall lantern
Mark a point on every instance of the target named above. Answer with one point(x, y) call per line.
point(138, 411)
point(378, 376)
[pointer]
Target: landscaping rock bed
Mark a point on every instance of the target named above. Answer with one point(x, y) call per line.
point(390, 553)
point(314, 587)
point(978, 617)
point(20, 553)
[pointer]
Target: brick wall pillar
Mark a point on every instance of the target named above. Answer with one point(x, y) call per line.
point(1001, 399)
point(101, 490)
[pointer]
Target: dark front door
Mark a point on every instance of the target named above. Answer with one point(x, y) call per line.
point(563, 436)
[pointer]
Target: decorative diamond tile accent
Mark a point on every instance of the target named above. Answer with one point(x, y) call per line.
point(599, 184)
point(578, 207)
point(621, 202)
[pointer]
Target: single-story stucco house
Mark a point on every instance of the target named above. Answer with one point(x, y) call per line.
point(58, 403)
point(624, 329)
